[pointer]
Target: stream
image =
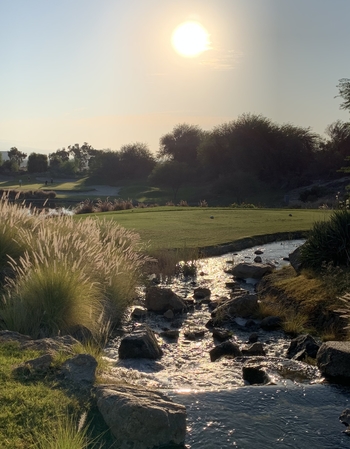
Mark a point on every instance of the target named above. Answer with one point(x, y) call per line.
point(298, 409)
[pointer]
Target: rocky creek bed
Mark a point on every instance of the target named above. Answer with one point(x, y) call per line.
point(292, 407)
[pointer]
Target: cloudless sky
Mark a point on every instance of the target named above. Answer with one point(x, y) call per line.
point(105, 72)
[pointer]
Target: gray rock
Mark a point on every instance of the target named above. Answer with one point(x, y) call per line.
point(255, 375)
point(80, 369)
point(243, 306)
point(251, 270)
point(63, 343)
point(333, 359)
point(141, 343)
point(256, 349)
point(225, 349)
point(221, 334)
point(345, 417)
point(201, 293)
point(6, 336)
point(271, 323)
point(138, 312)
point(169, 315)
point(160, 300)
point(194, 334)
point(173, 334)
point(303, 346)
point(39, 364)
point(295, 259)
point(141, 419)
point(253, 338)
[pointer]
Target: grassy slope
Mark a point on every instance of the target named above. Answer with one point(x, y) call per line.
point(170, 227)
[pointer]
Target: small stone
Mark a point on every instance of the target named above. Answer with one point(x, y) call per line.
point(169, 315)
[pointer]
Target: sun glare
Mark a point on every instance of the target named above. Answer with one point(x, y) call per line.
point(190, 39)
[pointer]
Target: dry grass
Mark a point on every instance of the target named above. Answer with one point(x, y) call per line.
point(305, 303)
point(68, 273)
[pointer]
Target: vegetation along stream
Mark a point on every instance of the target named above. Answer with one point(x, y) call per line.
point(296, 410)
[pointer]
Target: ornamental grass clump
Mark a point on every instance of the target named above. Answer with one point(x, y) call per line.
point(328, 242)
point(71, 273)
point(14, 222)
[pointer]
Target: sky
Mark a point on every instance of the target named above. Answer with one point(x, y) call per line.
point(105, 71)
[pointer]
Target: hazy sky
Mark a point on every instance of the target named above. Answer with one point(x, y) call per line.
point(105, 72)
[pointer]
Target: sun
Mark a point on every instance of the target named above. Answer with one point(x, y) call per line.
point(190, 39)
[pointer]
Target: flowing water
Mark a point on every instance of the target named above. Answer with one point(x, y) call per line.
point(297, 409)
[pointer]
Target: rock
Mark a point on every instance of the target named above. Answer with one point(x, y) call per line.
point(194, 334)
point(333, 360)
point(141, 343)
point(162, 299)
point(258, 251)
point(81, 333)
point(173, 334)
point(253, 338)
point(63, 343)
point(251, 270)
point(80, 370)
point(271, 323)
point(201, 293)
point(6, 336)
point(256, 349)
point(227, 349)
point(138, 312)
point(303, 346)
point(169, 315)
point(39, 364)
point(345, 417)
point(243, 306)
point(221, 334)
point(295, 259)
point(255, 375)
point(258, 259)
point(141, 419)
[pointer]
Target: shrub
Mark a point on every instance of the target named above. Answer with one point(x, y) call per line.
point(183, 203)
point(103, 205)
point(202, 203)
point(328, 241)
point(85, 207)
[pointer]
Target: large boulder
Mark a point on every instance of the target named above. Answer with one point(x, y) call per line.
point(141, 343)
point(243, 306)
point(333, 359)
point(295, 259)
point(141, 419)
point(251, 270)
point(160, 300)
point(302, 347)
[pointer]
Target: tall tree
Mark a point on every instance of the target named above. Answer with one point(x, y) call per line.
point(16, 157)
point(37, 163)
point(136, 160)
point(344, 92)
point(181, 144)
point(81, 155)
point(169, 174)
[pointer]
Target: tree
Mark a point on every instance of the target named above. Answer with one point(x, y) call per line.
point(181, 144)
point(169, 174)
point(136, 160)
point(106, 164)
point(81, 154)
point(344, 92)
point(16, 157)
point(37, 163)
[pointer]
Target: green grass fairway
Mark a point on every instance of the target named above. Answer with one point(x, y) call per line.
point(170, 227)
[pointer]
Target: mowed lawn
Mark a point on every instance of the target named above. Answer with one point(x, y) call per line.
point(193, 227)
